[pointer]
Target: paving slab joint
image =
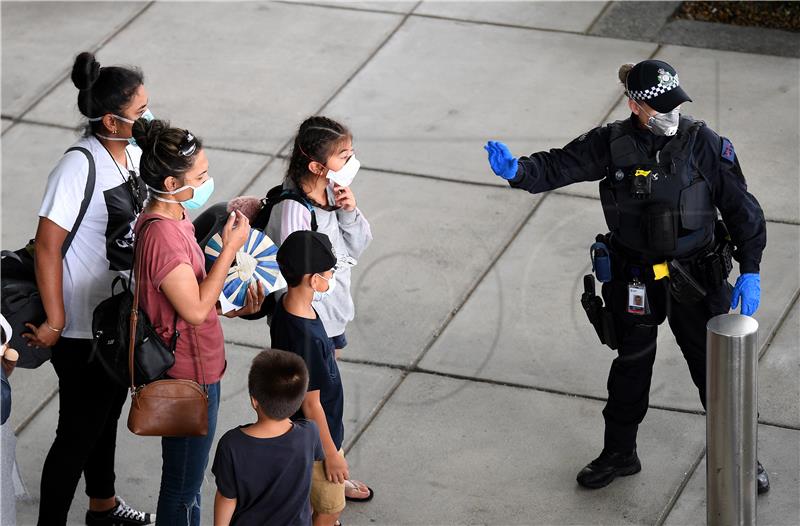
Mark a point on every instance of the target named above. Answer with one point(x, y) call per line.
point(338, 90)
point(38, 409)
point(415, 364)
point(65, 74)
point(670, 505)
point(598, 17)
point(778, 325)
point(363, 9)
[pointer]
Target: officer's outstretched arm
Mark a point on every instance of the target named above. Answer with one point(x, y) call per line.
point(584, 159)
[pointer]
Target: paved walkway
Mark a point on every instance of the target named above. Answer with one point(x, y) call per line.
point(474, 384)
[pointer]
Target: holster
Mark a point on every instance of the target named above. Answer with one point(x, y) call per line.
point(714, 267)
point(600, 318)
point(683, 287)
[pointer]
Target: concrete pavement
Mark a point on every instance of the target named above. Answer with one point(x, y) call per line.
point(473, 382)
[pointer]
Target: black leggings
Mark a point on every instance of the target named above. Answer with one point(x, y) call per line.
point(89, 405)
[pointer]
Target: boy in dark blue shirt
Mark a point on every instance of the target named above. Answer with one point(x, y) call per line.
point(263, 470)
point(306, 261)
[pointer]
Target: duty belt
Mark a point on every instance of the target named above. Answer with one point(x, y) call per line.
point(709, 266)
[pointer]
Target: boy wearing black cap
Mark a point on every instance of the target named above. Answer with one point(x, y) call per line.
point(306, 261)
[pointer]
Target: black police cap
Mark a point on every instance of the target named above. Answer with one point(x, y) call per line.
point(305, 252)
point(656, 83)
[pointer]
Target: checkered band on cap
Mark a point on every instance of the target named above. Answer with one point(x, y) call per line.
point(666, 82)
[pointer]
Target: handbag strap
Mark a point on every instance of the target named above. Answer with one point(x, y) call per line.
point(134, 317)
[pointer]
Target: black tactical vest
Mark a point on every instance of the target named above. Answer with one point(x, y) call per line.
point(658, 206)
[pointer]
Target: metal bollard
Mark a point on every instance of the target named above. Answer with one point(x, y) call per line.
point(731, 419)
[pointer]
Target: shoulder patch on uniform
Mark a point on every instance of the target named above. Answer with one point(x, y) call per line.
point(727, 152)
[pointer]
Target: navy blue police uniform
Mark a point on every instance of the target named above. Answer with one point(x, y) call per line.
point(660, 197)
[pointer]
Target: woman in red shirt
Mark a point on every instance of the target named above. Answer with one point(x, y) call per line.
point(174, 283)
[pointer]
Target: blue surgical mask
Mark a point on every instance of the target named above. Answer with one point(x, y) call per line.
point(200, 194)
point(320, 296)
point(147, 115)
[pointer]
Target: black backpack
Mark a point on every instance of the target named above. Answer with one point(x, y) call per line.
point(213, 220)
point(275, 196)
point(21, 302)
point(111, 322)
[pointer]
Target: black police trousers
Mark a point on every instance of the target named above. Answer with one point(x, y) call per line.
point(630, 374)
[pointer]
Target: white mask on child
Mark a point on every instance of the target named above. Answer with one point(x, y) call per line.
point(345, 175)
point(320, 296)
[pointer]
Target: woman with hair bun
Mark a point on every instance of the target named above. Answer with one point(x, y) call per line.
point(83, 241)
point(176, 293)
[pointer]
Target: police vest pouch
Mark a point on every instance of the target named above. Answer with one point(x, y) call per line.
point(609, 203)
point(624, 151)
point(662, 230)
point(695, 206)
point(683, 287)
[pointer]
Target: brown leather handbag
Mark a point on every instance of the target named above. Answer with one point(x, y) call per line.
point(167, 408)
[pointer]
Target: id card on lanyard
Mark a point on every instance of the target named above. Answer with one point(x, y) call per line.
point(637, 298)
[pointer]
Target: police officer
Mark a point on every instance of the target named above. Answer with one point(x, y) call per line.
point(663, 177)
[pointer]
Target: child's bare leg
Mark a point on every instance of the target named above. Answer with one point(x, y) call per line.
point(324, 519)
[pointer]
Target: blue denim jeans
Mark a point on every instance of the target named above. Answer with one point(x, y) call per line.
point(184, 461)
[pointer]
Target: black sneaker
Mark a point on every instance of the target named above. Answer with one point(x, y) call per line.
point(120, 515)
point(608, 466)
point(762, 479)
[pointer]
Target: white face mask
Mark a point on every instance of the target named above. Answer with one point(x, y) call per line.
point(345, 176)
point(320, 296)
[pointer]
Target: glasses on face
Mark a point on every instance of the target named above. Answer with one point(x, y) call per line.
point(188, 146)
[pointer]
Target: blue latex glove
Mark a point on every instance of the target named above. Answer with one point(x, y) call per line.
point(500, 159)
point(748, 289)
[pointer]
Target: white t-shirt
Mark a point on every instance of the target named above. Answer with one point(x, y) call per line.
point(102, 248)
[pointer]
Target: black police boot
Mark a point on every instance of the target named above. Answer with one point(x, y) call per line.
point(762, 479)
point(608, 466)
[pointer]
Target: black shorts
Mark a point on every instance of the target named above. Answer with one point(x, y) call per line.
point(339, 342)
